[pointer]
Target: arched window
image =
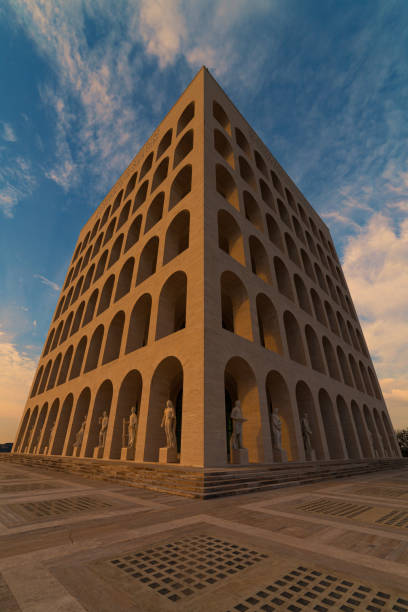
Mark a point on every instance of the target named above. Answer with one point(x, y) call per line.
point(45, 376)
point(70, 273)
point(283, 278)
point(226, 186)
point(259, 259)
point(298, 229)
point(311, 244)
point(105, 216)
point(331, 318)
point(133, 233)
point(307, 264)
point(98, 245)
point(57, 335)
point(183, 148)
point(164, 143)
point(276, 183)
point(185, 118)
point(77, 251)
point(343, 328)
point(252, 211)
point(361, 343)
point(114, 338)
point(346, 424)
point(131, 184)
point(260, 163)
point(283, 213)
point(147, 164)
point(320, 278)
point(118, 200)
point(306, 408)
point(223, 147)
point(65, 365)
point(344, 367)
point(140, 196)
point(230, 236)
point(67, 300)
point(102, 404)
point(78, 317)
point(246, 172)
point(77, 289)
point(235, 311)
point(78, 359)
point(67, 327)
point(109, 231)
point(177, 236)
point(268, 322)
point(356, 374)
point(221, 116)
point(49, 342)
point(361, 430)
point(266, 194)
point(333, 434)
point(116, 250)
point(148, 260)
point(160, 174)
point(95, 229)
point(313, 226)
point(77, 269)
point(139, 324)
point(100, 268)
point(106, 294)
point(294, 338)
point(302, 294)
point(155, 212)
point(318, 308)
point(352, 335)
point(90, 308)
point(374, 384)
point(124, 214)
point(278, 397)
point(330, 359)
point(274, 232)
point(292, 249)
point(125, 279)
point(37, 382)
point(302, 214)
point(94, 349)
point(171, 315)
point(54, 372)
point(341, 299)
point(321, 255)
point(242, 142)
point(181, 186)
point(331, 288)
point(290, 200)
point(87, 258)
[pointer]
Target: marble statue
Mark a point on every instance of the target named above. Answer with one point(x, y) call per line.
point(276, 429)
point(169, 425)
point(237, 421)
point(103, 420)
point(132, 426)
point(307, 436)
point(80, 435)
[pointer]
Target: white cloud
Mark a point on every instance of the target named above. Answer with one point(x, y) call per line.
point(8, 133)
point(48, 283)
point(375, 265)
point(17, 182)
point(163, 28)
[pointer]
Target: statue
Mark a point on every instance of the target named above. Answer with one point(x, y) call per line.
point(307, 436)
point(132, 426)
point(103, 420)
point(276, 425)
point(53, 429)
point(80, 435)
point(237, 421)
point(169, 424)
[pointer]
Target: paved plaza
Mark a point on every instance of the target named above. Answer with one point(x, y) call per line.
point(71, 544)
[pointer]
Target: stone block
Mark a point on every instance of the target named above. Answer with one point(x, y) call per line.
point(239, 456)
point(168, 455)
point(127, 454)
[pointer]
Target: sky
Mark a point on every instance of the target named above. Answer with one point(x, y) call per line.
point(84, 83)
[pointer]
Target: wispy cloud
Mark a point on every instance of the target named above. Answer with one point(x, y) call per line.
point(8, 133)
point(48, 283)
point(17, 182)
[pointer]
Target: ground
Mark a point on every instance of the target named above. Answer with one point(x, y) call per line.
point(71, 544)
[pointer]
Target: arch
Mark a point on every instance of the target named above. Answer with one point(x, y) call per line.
point(131, 185)
point(54, 372)
point(130, 394)
point(226, 186)
point(318, 307)
point(28, 434)
point(277, 394)
point(330, 359)
point(68, 280)
point(125, 279)
point(364, 376)
point(181, 186)
point(160, 174)
point(290, 200)
point(140, 197)
point(382, 434)
point(292, 249)
point(246, 172)
point(331, 266)
point(302, 214)
point(351, 308)
point(306, 408)
point(164, 143)
point(331, 318)
point(343, 329)
point(294, 338)
point(302, 295)
point(274, 232)
point(59, 308)
point(37, 381)
point(356, 374)
point(352, 335)
point(361, 430)
point(344, 367)
point(266, 194)
point(183, 148)
point(259, 259)
point(148, 260)
point(117, 202)
point(346, 424)
point(230, 236)
point(114, 338)
point(147, 164)
point(35, 438)
point(320, 277)
point(268, 322)
point(311, 244)
point(57, 444)
point(78, 316)
point(283, 213)
point(260, 163)
point(283, 278)
point(45, 376)
point(177, 236)
point(98, 245)
point(78, 358)
point(374, 384)
point(252, 211)
point(240, 384)
point(124, 214)
point(133, 233)
point(80, 414)
point(105, 216)
point(276, 182)
point(90, 307)
point(65, 365)
point(361, 343)
point(313, 226)
point(389, 432)
point(185, 117)
point(235, 310)
point(171, 315)
point(139, 324)
point(223, 147)
point(106, 294)
point(18, 447)
point(221, 116)
point(242, 142)
point(94, 349)
point(57, 335)
point(51, 420)
point(116, 250)
point(332, 290)
point(100, 268)
point(331, 428)
point(375, 443)
point(315, 353)
point(67, 300)
point(307, 264)
point(321, 255)
point(109, 231)
point(102, 403)
point(95, 229)
point(298, 229)
point(77, 269)
point(87, 258)
point(341, 299)
point(155, 212)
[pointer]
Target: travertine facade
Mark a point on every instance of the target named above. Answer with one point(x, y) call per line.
point(205, 277)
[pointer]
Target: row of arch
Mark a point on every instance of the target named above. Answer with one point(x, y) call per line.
point(339, 430)
point(223, 146)
point(171, 317)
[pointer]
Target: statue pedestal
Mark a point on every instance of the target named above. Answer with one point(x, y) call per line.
point(127, 454)
point(239, 456)
point(77, 451)
point(280, 455)
point(98, 452)
point(168, 455)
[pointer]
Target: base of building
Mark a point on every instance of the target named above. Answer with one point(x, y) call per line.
point(206, 483)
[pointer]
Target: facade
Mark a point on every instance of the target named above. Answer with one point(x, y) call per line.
point(205, 277)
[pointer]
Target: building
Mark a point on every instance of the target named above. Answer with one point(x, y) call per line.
point(204, 277)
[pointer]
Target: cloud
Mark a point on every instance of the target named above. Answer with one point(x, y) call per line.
point(375, 266)
point(163, 28)
point(48, 283)
point(17, 182)
point(8, 133)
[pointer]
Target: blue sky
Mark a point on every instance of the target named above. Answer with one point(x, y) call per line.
point(84, 83)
